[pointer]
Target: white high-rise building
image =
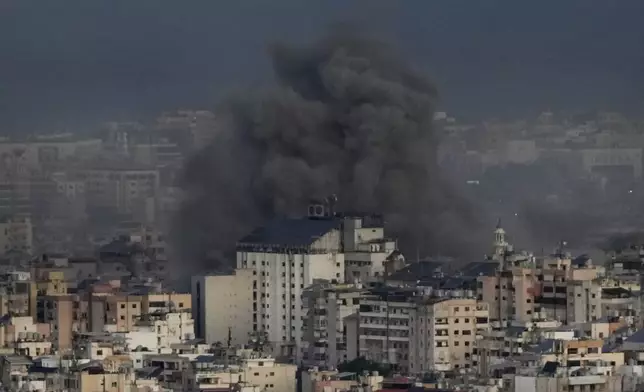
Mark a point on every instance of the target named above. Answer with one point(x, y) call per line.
point(287, 256)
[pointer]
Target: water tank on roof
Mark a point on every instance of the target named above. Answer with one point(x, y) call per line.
point(317, 210)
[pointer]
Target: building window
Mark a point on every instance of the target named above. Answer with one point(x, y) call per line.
point(99, 352)
point(122, 306)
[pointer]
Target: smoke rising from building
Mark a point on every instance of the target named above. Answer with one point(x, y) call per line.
point(348, 117)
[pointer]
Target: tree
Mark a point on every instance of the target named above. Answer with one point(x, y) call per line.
point(361, 365)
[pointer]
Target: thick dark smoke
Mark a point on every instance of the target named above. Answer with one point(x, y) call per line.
point(348, 117)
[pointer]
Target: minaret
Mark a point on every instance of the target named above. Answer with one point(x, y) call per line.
point(500, 245)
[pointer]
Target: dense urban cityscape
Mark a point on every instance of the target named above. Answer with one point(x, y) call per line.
point(289, 196)
point(322, 302)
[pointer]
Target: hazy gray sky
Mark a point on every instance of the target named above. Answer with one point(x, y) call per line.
point(72, 63)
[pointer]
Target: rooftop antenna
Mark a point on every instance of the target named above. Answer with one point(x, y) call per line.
point(331, 201)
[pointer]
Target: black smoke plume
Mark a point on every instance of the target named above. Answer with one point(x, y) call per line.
point(347, 117)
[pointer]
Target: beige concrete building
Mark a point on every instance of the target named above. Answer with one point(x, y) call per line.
point(606, 162)
point(322, 380)
point(551, 288)
point(123, 311)
point(43, 153)
point(16, 236)
point(18, 295)
point(564, 381)
point(59, 312)
point(584, 301)
point(260, 372)
point(584, 353)
point(384, 326)
point(510, 294)
point(223, 305)
point(108, 382)
point(444, 333)
point(26, 337)
point(51, 283)
point(166, 302)
point(328, 340)
point(123, 188)
point(366, 248)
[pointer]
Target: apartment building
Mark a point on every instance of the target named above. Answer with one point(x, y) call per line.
point(26, 337)
point(123, 311)
point(443, 333)
point(61, 312)
point(560, 279)
point(223, 306)
point(166, 303)
point(323, 380)
point(619, 301)
point(248, 368)
point(329, 338)
point(581, 352)
point(384, 325)
point(51, 283)
point(198, 125)
point(123, 188)
point(17, 294)
point(511, 294)
point(554, 287)
point(167, 329)
point(564, 379)
point(42, 153)
point(16, 236)
point(287, 256)
point(366, 248)
point(584, 301)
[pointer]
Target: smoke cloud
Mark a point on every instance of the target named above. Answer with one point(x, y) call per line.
point(347, 116)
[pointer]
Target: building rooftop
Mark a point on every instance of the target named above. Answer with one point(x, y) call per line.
point(637, 337)
point(291, 232)
point(18, 360)
point(421, 270)
point(479, 268)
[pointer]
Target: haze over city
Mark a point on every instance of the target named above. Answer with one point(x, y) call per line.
point(337, 196)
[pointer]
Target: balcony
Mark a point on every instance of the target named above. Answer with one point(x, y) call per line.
point(587, 380)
